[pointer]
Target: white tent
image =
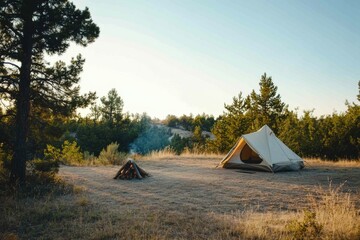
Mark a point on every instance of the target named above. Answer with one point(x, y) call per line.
point(262, 150)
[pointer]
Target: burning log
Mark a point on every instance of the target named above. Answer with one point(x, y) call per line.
point(130, 170)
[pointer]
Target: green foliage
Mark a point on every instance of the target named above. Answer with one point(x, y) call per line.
point(230, 126)
point(204, 121)
point(45, 127)
point(266, 106)
point(289, 131)
point(111, 155)
point(28, 31)
point(308, 228)
point(248, 114)
point(52, 153)
point(340, 134)
point(95, 136)
point(50, 163)
point(95, 113)
point(310, 135)
point(71, 154)
point(185, 122)
point(171, 121)
point(329, 137)
point(198, 140)
point(178, 144)
point(111, 108)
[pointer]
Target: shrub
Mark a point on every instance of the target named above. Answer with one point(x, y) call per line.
point(336, 210)
point(111, 155)
point(308, 228)
point(52, 153)
point(332, 215)
point(178, 144)
point(50, 163)
point(70, 154)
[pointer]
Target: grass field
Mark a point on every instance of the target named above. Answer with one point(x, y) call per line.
point(187, 197)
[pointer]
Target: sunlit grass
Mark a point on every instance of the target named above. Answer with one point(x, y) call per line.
point(169, 153)
point(61, 218)
point(338, 163)
point(334, 210)
point(159, 154)
point(52, 209)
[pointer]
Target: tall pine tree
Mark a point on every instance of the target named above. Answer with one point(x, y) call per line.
point(112, 107)
point(29, 29)
point(266, 106)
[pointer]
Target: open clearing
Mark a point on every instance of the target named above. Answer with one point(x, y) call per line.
point(189, 198)
point(194, 184)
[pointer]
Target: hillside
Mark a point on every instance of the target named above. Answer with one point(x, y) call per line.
point(184, 133)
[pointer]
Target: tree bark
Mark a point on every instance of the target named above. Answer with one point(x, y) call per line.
point(18, 166)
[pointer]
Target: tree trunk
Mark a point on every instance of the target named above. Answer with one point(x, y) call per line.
point(18, 166)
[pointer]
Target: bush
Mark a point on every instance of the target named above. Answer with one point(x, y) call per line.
point(111, 155)
point(178, 144)
point(52, 153)
point(308, 228)
point(50, 163)
point(70, 154)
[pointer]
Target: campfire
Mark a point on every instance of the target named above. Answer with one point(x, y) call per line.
point(131, 170)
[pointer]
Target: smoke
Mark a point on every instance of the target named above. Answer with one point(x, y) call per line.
point(156, 137)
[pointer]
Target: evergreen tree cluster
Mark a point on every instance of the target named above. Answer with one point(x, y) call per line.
point(329, 137)
point(189, 123)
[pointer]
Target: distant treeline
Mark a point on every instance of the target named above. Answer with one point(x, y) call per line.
point(329, 137)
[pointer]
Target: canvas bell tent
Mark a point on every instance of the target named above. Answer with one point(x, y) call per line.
point(262, 150)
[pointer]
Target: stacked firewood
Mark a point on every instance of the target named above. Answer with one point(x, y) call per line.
point(130, 170)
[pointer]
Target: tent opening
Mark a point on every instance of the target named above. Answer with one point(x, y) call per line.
point(247, 155)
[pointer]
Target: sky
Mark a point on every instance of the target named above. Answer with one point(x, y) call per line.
point(192, 56)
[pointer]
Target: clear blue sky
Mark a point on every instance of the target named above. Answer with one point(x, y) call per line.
point(192, 56)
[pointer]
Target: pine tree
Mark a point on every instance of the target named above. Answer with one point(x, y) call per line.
point(266, 106)
point(230, 126)
point(29, 29)
point(112, 107)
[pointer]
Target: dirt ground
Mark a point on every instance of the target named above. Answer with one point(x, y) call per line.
point(195, 184)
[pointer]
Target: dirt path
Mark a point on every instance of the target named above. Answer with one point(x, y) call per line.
point(194, 184)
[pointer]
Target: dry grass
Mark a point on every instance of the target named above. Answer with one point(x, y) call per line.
point(63, 219)
point(169, 153)
point(187, 198)
point(158, 154)
point(338, 163)
point(336, 211)
point(200, 154)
